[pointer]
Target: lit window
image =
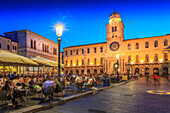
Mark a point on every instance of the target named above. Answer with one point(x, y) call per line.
point(156, 57)
point(146, 57)
point(129, 47)
point(165, 57)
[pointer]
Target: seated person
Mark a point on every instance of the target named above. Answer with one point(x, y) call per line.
point(57, 86)
point(47, 84)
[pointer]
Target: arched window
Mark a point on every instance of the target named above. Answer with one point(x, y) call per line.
point(146, 44)
point(82, 62)
point(31, 43)
point(101, 49)
point(95, 61)
point(95, 50)
point(77, 51)
point(137, 58)
point(165, 42)
point(88, 50)
point(82, 51)
point(45, 48)
point(66, 53)
point(129, 47)
point(77, 63)
point(115, 28)
point(112, 29)
point(70, 52)
point(34, 44)
point(156, 57)
point(146, 57)
point(129, 59)
point(88, 61)
point(137, 45)
point(42, 47)
point(101, 61)
point(71, 62)
point(165, 57)
point(156, 43)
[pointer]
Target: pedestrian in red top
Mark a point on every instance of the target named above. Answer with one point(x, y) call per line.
point(156, 79)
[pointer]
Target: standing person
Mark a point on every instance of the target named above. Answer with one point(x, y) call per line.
point(156, 79)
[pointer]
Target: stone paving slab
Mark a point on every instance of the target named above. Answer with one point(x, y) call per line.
point(36, 108)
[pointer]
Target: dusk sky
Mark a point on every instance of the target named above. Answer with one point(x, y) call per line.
point(84, 20)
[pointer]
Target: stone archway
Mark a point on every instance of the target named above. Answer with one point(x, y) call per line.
point(156, 71)
point(165, 71)
point(113, 68)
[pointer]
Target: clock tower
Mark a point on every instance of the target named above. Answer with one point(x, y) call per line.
point(115, 32)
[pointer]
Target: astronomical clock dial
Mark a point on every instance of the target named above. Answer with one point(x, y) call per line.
point(114, 46)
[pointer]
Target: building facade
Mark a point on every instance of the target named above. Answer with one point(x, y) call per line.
point(8, 45)
point(31, 45)
point(117, 55)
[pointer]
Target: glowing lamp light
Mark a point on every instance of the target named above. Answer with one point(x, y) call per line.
point(116, 65)
point(79, 64)
point(151, 61)
point(117, 56)
point(98, 64)
point(142, 61)
point(68, 64)
point(59, 30)
point(132, 62)
point(74, 64)
point(160, 60)
point(91, 63)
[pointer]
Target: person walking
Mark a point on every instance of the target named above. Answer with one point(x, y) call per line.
point(156, 79)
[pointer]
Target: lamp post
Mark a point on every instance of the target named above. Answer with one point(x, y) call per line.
point(59, 31)
point(117, 56)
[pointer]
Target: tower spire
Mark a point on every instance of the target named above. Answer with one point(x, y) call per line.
point(114, 10)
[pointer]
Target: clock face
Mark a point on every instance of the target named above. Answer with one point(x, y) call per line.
point(114, 46)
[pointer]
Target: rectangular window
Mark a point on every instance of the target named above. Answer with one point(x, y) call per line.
point(0, 45)
point(71, 52)
point(94, 50)
point(88, 50)
point(112, 29)
point(66, 53)
point(54, 51)
point(82, 51)
point(77, 52)
point(115, 28)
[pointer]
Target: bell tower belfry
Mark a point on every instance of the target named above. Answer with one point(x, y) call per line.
point(115, 28)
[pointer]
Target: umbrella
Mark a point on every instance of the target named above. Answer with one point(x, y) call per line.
point(8, 58)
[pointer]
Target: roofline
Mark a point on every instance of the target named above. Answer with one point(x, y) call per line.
point(85, 45)
point(26, 30)
point(8, 38)
point(147, 37)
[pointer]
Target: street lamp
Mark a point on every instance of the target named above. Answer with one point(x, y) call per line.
point(59, 31)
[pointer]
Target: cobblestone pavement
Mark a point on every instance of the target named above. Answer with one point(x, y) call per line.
point(128, 98)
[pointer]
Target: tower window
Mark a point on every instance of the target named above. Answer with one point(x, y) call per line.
point(115, 28)
point(112, 29)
